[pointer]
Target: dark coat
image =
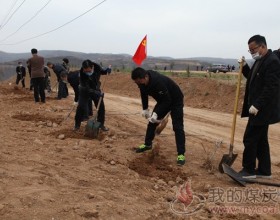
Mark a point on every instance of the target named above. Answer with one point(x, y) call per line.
point(263, 90)
point(74, 77)
point(58, 69)
point(164, 90)
point(21, 70)
point(91, 84)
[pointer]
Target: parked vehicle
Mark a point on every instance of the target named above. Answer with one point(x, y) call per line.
point(216, 68)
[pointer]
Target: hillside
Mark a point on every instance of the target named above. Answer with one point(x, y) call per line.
point(121, 62)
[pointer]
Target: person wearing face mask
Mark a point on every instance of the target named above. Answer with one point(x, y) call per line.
point(262, 106)
point(169, 98)
point(21, 72)
point(89, 90)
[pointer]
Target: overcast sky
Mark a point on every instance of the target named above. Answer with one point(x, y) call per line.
point(177, 28)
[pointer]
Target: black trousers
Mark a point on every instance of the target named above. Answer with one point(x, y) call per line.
point(22, 79)
point(177, 116)
point(39, 89)
point(256, 147)
point(62, 90)
point(76, 91)
point(83, 108)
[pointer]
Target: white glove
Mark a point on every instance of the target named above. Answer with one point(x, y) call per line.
point(146, 113)
point(153, 118)
point(253, 110)
point(242, 59)
point(75, 103)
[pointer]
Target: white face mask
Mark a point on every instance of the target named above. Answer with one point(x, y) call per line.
point(89, 73)
point(256, 56)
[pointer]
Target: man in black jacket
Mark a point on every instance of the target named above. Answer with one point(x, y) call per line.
point(21, 72)
point(261, 105)
point(169, 98)
point(89, 89)
point(74, 80)
point(61, 74)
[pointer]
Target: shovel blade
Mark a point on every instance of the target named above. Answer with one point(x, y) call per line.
point(92, 128)
point(228, 160)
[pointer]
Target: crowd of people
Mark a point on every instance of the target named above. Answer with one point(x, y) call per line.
point(86, 86)
point(261, 100)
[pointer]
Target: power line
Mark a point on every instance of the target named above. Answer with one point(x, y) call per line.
point(26, 21)
point(8, 13)
point(55, 29)
point(12, 15)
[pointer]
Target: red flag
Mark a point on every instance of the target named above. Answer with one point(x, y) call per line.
point(141, 52)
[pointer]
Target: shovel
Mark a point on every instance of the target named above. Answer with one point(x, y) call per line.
point(93, 126)
point(162, 124)
point(241, 181)
point(230, 158)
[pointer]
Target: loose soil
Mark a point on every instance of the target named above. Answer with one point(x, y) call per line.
point(47, 171)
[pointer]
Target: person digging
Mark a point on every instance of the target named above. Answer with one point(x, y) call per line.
point(169, 98)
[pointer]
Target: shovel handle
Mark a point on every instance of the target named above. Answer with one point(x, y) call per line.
point(235, 107)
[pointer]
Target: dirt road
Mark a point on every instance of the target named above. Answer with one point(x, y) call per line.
point(208, 125)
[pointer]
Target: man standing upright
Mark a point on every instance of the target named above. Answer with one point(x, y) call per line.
point(21, 72)
point(36, 63)
point(169, 98)
point(261, 105)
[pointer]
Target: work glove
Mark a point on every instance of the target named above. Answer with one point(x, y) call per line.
point(146, 113)
point(253, 110)
point(242, 59)
point(153, 118)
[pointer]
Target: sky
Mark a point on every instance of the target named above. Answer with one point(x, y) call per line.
point(177, 28)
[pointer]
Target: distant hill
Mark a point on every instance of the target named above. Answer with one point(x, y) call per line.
point(8, 61)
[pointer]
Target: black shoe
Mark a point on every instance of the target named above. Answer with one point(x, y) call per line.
point(143, 148)
point(261, 175)
point(77, 126)
point(246, 175)
point(85, 118)
point(103, 128)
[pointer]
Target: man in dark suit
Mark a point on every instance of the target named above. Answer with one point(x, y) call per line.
point(262, 106)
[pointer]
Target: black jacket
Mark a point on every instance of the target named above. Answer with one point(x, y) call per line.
point(263, 90)
point(21, 70)
point(74, 77)
point(164, 90)
point(91, 84)
point(58, 69)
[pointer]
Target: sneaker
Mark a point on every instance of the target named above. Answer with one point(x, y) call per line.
point(246, 175)
point(262, 176)
point(143, 148)
point(103, 128)
point(181, 160)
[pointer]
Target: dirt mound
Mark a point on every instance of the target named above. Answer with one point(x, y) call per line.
point(203, 93)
